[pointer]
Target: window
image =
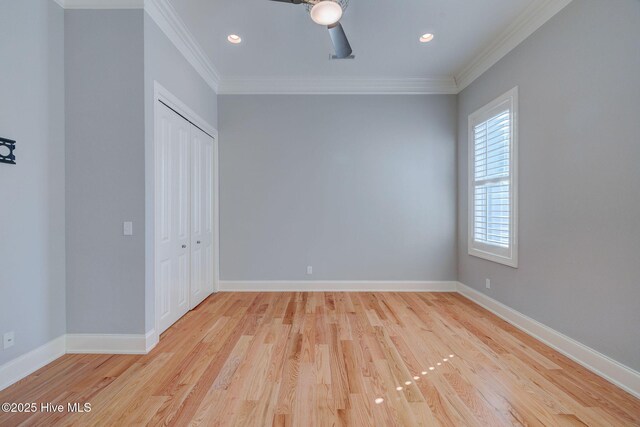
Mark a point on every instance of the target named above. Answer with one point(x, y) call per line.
point(493, 207)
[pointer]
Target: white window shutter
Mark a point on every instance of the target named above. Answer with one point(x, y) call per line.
point(492, 167)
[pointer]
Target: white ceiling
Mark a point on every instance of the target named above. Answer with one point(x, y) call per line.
point(283, 51)
point(281, 41)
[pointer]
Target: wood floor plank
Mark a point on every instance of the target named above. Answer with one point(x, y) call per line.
point(329, 359)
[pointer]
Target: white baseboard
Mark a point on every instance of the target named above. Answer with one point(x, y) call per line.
point(613, 371)
point(111, 343)
point(22, 366)
point(18, 368)
point(336, 286)
point(151, 340)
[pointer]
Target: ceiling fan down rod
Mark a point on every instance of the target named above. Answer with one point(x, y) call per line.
point(340, 42)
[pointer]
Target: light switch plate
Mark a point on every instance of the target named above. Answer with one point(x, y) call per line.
point(128, 228)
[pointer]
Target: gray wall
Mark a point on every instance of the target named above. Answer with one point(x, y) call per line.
point(32, 275)
point(166, 65)
point(579, 177)
point(105, 170)
point(359, 187)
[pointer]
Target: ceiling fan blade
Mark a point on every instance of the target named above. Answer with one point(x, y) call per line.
point(340, 42)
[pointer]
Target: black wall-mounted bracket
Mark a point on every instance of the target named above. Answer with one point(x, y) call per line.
point(11, 146)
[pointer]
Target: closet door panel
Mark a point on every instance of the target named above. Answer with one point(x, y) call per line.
point(172, 216)
point(208, 216)
point(197, 279)
point(202, 224)
point(182, 158)
point(165, 129)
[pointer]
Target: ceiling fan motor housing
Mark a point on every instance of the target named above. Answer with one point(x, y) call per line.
point(343, 4)
point(328, 13)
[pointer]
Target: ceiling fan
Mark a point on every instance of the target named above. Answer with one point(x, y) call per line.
point(328, 13)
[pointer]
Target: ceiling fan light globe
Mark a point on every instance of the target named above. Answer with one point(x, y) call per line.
point(326, 12)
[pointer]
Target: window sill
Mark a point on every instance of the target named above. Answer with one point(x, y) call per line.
point(508, 261)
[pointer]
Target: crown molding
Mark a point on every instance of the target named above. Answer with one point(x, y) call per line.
point(337, 86)
point(525, 25)
point(101, 4)
point(165, 16)
point(175, 29)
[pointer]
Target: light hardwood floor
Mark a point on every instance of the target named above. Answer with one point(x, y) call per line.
point(305, 359)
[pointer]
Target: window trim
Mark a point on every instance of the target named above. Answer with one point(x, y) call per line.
point(508, 256)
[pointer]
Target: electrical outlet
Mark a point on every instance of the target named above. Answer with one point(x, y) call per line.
point(488, 283)
point(309, 270)
point(8, 340)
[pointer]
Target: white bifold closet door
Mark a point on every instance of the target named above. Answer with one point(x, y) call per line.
point(184, 216)
point(202, 250)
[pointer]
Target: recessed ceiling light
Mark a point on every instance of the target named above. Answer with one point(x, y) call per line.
point(234, 39)
point(426, 38)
